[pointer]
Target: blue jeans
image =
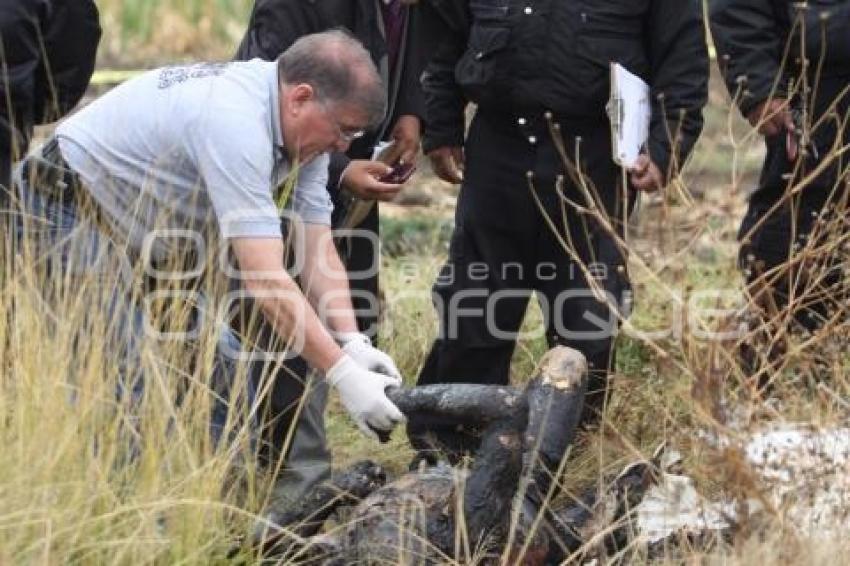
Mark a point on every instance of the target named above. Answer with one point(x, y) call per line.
point(45, 215)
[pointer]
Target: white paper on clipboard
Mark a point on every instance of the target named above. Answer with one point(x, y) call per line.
point(629, 113)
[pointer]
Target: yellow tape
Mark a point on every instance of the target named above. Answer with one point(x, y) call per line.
point(112, 76)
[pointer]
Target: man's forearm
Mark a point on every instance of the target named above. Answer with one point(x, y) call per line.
point(282, 302)
point(295, 321)
point(325, 281)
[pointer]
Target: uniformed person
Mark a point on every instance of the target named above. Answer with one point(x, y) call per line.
point(787, 67)
point(535, 216)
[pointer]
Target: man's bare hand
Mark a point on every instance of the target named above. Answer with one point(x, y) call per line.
point(645, 175)
point(361, 178)
point(406, 136)
point(772, 117)
point(448, 162)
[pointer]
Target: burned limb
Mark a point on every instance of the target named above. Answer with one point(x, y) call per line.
point(556, 399)
point(495, 476)
point(555, 402)
point(532, 440)
point(460, 402)
point(415, 518)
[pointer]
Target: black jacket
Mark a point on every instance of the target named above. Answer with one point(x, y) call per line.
point(751, 37)
point(277, 24)
point(512, 56)
point(43, 84)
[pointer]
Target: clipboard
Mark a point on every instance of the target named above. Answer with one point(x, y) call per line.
point(629, 113)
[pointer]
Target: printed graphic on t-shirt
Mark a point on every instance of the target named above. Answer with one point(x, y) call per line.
point(171, 76)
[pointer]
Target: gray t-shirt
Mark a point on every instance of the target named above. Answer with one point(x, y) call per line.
point(181, 148)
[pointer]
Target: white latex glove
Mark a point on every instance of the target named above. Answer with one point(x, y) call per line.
point(360, 348)
point(363, 394)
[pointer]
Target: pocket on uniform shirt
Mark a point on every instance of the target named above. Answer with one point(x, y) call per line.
point(479, 69)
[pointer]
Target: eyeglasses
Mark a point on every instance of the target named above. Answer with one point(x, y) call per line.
point(346, 134)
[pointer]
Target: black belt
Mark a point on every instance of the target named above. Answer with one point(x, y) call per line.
point(536, 121)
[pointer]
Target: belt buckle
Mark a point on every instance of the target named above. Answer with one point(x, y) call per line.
point(45, 171)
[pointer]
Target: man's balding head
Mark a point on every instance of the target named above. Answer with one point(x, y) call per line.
point(339, 69)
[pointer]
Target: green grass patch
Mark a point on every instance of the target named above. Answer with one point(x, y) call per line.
point(414, 235)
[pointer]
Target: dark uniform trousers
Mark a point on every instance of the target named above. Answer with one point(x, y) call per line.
point(360, 255)
point(777, 228)
point(503, 250)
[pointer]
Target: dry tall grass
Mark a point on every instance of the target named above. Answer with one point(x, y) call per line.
point(89, 475)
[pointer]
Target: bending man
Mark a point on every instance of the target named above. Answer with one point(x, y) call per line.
point(200, 150)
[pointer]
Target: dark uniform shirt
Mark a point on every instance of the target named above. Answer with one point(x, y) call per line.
point(751, 37)
point(763, 47)
point(521, 55)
